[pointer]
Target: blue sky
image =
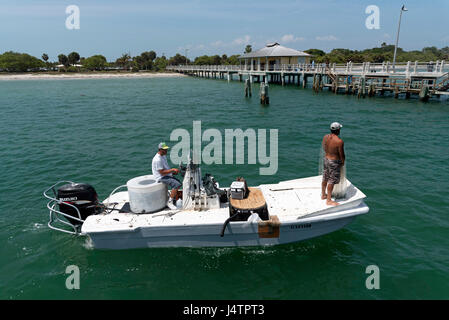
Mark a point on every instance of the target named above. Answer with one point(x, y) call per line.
point(215, 27)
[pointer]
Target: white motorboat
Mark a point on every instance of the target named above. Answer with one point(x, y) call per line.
point(207, 216)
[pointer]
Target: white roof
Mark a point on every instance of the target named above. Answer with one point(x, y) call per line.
point(74, 65)
point(274, 50)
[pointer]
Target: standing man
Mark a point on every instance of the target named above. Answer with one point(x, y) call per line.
point(163, 173)
point(334, 159)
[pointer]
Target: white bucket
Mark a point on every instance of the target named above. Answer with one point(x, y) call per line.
point(146, 195)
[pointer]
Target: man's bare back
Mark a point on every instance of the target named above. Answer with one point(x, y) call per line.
point(334, 147)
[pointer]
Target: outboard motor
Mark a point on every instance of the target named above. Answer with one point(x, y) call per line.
point(79, 195)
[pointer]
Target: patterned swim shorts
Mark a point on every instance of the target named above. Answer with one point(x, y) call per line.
point(171, 181)
point(332, 170)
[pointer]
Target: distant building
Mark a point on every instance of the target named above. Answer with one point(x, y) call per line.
point(61, 66)
point(273, 55)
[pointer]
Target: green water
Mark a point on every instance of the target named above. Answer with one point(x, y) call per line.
point(104, 132)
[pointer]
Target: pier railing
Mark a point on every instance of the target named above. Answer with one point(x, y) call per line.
point(437, 68)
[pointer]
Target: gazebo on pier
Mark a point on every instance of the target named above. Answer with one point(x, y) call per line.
point(272, 55)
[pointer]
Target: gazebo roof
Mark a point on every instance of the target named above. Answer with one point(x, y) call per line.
point(274, 50)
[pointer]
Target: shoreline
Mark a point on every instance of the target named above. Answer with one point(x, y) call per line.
point(68, 76)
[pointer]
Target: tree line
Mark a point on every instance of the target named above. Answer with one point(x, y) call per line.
point(378, 55)
point(21, 62)
point(149, 61)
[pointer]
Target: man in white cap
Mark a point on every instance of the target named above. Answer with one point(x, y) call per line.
point(163, 173)
point(333, 161)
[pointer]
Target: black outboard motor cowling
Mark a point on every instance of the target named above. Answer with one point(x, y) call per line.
point(82, 196)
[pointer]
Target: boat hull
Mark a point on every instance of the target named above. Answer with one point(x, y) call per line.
point(236, 234)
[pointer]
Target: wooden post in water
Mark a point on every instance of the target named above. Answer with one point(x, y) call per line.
point(407, 88)
point(396, 91)
point(362, 87)
point(337, 78)
point(384, 80)
point(347, 85)
point(372, 90)
point(424, 93)
point(264, 99)
point(248, 88)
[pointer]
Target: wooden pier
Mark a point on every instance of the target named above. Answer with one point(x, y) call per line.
point(363, 79)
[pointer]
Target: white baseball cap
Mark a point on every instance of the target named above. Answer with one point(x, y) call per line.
point(336, 126)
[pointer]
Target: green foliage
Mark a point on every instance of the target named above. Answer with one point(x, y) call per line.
point(233, 60)
point(148, 55)
point(73, 57)
point(248, 48)
point(96, 62)
point(378, 55)
point(72, 69)
point(62, 58)
point(217, 60)
point(160, 63)
point(178, 59)
point(144, 61)
point(315, 52)
point(124, 61)
point(19, 62)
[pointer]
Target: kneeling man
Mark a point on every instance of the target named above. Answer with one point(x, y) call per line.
point(163, 173)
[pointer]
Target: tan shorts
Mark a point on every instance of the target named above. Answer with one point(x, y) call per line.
point(332, 170)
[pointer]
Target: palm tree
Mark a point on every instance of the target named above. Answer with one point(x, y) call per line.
point(62, 58)
point(123, 61)
point(45, 58)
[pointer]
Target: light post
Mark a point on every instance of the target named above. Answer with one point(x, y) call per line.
point(397, 36)
point(186, 55)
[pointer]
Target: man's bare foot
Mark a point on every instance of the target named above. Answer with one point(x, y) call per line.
point(332, 203)
point(323, 196)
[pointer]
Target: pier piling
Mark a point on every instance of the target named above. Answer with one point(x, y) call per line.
point(264, 98)
point(248, 92)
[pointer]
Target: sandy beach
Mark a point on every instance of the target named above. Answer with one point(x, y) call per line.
point(102, 75)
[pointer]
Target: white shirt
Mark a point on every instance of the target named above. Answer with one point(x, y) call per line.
point(159, 163)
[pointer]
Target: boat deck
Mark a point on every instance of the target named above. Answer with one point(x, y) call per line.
point(288, 200)
point(302, 197)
